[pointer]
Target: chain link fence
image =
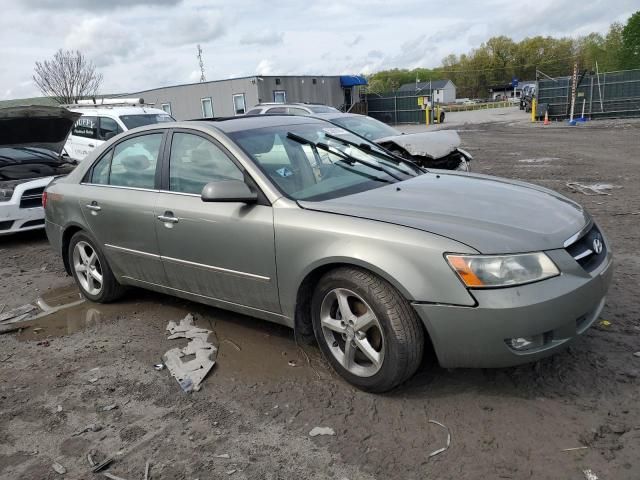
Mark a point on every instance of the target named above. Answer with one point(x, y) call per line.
point(604, 95)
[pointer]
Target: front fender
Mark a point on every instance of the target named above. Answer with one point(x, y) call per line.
point(411, 260)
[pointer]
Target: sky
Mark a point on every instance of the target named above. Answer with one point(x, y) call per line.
point(143, 44)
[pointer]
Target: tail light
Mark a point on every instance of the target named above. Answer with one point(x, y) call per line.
point(44, 199)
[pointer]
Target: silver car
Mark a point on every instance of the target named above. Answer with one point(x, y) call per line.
point(297, 221)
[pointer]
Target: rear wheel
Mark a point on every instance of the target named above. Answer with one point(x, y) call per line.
point(91, 270)
point(366, 329)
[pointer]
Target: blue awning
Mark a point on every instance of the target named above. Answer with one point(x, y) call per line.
point(352, 80)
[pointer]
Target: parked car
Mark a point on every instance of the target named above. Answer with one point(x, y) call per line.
point(106, 119)
point(440, 149)
point(428, 149)
point(291, 109)
point(31, 140)
point(370, 254)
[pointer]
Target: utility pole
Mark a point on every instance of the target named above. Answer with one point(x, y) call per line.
point(201, 63)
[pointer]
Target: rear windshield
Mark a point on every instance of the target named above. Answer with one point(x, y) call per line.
point(133, 121)
point(322, 109)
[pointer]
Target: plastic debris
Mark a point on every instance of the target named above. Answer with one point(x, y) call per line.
point(106, 408)
point(58, 468)
point(223, 455)
point(92, 427)
point(440, 450)
point(231, 472)
point(97, 467)
point(292, 363)
point(112, 476)
point(321, 431)
point(574, 449)
point(605, 323)
point(147, 466)
point(589, 475)
point(190, 374)
point(593, 189)
point(17, 314)
point(159, 366)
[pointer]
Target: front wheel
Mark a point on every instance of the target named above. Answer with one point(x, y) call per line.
point(91, 270)
point(366, 329)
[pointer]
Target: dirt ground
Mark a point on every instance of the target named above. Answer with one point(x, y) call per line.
point(57, 376)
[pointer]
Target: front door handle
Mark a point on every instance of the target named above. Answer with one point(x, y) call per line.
point(168, 217)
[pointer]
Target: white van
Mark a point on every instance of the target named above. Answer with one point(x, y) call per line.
point(105, 118)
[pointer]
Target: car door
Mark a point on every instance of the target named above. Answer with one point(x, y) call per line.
point(220, 250)
point(84, 137)
point(118, 200)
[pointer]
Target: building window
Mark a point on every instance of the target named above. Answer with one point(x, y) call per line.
point(280, 96)
point(207, 107)
point(277, 81)
point(166, 107)
point(238, 103)
point(314, 81)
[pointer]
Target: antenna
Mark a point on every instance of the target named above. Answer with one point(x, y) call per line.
point(201, 63)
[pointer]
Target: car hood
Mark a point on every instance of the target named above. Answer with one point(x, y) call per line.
point(36, 126)
point(489, 214)
point(428, 144)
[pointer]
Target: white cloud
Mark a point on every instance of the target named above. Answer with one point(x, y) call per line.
point(142, 44)
point(266, 37)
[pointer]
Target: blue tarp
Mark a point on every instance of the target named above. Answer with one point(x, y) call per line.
point(352, 80)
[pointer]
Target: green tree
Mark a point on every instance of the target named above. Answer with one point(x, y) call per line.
point(631, 42)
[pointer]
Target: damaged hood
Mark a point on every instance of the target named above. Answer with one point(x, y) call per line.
point(489, 214)
point(36, 127)
point(428, 144)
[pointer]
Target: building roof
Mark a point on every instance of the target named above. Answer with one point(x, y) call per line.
point(434, 84)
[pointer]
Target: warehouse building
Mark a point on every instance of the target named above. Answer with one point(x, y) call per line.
point(236, 96)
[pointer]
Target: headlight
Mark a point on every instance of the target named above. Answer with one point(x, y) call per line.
point(486, 271)
point(6, 190)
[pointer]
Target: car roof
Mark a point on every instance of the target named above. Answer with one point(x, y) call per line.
point(234, 124)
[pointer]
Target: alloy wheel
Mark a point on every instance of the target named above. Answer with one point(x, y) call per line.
point(87, 267)
point(352, 332)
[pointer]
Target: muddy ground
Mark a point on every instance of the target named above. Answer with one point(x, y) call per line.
point(57, 375)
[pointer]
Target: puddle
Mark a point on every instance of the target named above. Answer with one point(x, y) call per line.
point(248, 347)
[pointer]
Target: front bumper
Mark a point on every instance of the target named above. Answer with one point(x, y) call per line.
point(22, 212)
point(559, 308)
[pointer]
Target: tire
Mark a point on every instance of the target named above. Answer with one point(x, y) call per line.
point(94, 263)
point(391, 333)
point(441, 119)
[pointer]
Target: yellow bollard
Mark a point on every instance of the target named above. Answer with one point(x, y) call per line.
point(427, 111)
point(534, 107)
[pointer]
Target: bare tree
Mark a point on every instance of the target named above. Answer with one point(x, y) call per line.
point(67, 77)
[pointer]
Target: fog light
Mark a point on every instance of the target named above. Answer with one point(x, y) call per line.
point(525, 343)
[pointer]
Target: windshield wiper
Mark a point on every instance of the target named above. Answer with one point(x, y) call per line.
point(367, 149)
point(345, 157)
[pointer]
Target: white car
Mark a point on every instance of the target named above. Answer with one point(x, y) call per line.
point(31, 141)
point(105, 119)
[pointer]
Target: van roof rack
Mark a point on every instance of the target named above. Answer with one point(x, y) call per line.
point(109, 102)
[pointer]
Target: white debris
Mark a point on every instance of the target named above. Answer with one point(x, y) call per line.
point(321, 431)
point(538, 160)
point(17, 314)
point(589, 475)
point(231, 472)
point(593, 189)
point(637, 354)
point(190, 374)
point(59, 468)
point(440, 450)
point(223, 455)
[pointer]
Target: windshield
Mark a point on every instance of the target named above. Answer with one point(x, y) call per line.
point(133, 121)
point(322, 109)
point(366, 127)
point(18, 163)
point(314, 161)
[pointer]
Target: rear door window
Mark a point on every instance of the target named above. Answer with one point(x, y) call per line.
point(135, 160)
point(109, 128)
point(100, 173)
point(86, 127)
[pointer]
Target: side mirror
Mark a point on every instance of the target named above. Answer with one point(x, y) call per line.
point(228, 191)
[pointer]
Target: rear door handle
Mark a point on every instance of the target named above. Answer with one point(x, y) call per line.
point(168, 217)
